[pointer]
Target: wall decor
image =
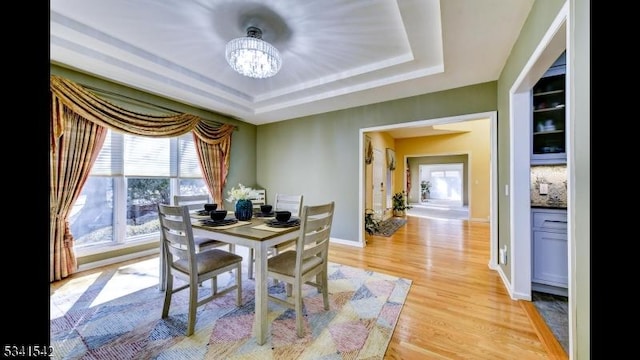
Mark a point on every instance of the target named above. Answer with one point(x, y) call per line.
point(368, 150)
point(391, 159)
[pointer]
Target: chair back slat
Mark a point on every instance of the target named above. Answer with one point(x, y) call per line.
point(287, 202)
point(194, 202)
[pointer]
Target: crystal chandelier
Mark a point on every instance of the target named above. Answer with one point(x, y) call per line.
point(253, 57)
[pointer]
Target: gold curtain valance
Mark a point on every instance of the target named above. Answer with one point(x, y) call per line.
point(106, 114)
point(213, 135)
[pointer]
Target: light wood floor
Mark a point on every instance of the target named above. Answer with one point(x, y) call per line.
point(457, 308)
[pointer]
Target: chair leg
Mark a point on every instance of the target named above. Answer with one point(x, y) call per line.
point(214, 284)
point(299, 316)
point(168, 291)
point(193, 306)
point(325, 290)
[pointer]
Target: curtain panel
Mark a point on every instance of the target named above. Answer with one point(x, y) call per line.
point(78, 125)
point(70, 164)
point(213, 146)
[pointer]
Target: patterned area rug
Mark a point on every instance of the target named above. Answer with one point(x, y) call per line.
point(389, 226)
point(116, 315)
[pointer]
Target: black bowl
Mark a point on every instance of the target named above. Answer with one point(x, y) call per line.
point(218, 214)
point(210, 207)
point(283, 216)
point(266, 209)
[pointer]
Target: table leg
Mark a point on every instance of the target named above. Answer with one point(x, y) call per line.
point(250, 267)
point(260, 271)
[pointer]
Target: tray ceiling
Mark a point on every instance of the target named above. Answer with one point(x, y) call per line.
point(336, 54)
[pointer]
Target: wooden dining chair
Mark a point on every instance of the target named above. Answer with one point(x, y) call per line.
point(196, 202)
point(291, 203)
point(288, 202)
point(281, 202)
point(307, 263)
point(258, 197)
point(183, 262)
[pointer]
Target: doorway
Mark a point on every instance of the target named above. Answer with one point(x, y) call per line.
point(491, 117)
point(445, 183)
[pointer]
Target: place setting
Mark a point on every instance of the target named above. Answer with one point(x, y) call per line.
point(281, 221)
point(218, 218)
point(210, 216)
point(266, 211)
point(204, 214)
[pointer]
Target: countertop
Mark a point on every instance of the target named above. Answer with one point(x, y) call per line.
point(548, 207)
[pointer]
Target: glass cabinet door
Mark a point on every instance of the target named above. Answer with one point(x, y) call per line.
point(548, 125)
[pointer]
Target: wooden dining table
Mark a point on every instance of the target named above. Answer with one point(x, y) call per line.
point(256, 235)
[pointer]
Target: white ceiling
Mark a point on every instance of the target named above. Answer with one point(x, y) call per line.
point(336, 54)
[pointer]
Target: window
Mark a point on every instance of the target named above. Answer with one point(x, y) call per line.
point(131, 176)
point(446, 181)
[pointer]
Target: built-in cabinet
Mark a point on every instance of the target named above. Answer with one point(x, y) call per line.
point(548, 123)
point(550, 252)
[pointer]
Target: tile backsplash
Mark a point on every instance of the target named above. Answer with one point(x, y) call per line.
point(554, 177)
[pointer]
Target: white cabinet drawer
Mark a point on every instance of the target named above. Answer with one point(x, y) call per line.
point(550, 220)
point(550, 258)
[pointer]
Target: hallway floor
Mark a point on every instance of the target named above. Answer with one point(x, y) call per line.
point(554, 310)
point(439, 209)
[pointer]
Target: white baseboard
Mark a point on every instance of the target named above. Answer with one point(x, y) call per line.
point(345, 242)
point(117, 259)
point(507, 285)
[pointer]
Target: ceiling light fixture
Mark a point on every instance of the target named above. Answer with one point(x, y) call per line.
point(253, 57)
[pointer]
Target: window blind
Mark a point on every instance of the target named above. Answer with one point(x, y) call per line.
point(140, 156)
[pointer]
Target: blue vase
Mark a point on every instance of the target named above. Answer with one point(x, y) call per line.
point(244, 210)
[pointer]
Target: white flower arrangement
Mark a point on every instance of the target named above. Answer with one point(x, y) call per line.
point(240, 193)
